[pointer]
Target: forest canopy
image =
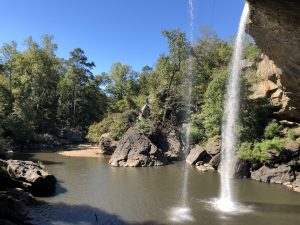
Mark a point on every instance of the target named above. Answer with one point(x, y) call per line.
point(42, 95)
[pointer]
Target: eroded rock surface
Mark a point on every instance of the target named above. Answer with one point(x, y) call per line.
point(196, 154)
point(32, 177)
point(274, 24)
point(106, 145)
point(136, 150)
point(279, 175)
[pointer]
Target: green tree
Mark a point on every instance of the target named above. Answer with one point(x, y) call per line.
point(8, 55)
point(37, 74)
point(121, 86)
point(212, 110)
point(81, 101)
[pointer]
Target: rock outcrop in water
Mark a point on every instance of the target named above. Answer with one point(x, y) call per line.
point(27, 175)
point(167, 138)
point(274, 24)
point(17, 178)
point(106, 145)
point(136, 150)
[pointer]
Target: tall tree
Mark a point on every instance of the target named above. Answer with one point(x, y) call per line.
point(37, 76)
point(81, 101)
point(8, 55)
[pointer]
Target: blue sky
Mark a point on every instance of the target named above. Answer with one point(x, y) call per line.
point(128, 31)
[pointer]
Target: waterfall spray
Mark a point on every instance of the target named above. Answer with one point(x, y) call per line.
point(183, 213)
point(230, 119)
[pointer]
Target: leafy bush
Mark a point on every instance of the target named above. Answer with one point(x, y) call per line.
point(246, 151)
point(272, 130)
point(259, 151)
point(195, 130)
point(145, 125)
point(252, 52)
point(43, 138)
point(18, 129)
point(291, 134)
point(116, 123)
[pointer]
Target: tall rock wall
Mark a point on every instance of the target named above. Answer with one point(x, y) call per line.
point(275, 26)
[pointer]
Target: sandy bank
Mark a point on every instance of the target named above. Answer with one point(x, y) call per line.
point(82, 151)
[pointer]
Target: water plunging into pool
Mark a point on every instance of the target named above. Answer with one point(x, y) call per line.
point(230, 119)
point(183, 213)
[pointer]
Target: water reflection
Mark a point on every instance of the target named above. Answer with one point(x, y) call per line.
point(76, 214)
point(121, 195)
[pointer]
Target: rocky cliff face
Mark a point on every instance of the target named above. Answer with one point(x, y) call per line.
point(274, 24)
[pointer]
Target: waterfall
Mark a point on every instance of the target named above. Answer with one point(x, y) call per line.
point(230, 119)
point(188, 106)
point(183, 213)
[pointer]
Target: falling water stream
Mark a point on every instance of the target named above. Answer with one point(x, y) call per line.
point(183, 213)
point(230, 119)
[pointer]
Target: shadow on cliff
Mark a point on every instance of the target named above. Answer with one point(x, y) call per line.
point(61, 213)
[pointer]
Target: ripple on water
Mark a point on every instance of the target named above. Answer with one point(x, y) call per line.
point(227, 207)
point(180, 215)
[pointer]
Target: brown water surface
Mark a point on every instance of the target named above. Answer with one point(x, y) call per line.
point(92, 192)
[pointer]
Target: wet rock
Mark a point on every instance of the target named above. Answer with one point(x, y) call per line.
point(196, 154)
point(215, 161)
point(256, 166)
point(213, 146)
point(11, 210)
point(167, 138)
point(242, 169)
point(21, 195)
point(296, 183)
point(32, 176)
point(204, 167)
point(106, 145)
point(279, 175)
point(136, 150)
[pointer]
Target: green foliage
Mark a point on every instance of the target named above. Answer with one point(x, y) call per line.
point(80, 101)
point(272, 130)
point(6, 102)
point(291, 134)
point(145, 125)
point(246, 151)
point(259, 150)
point(195, 130)
point(116, 124)
point(43, 138)
point(42, 94)
point(18, 129)
point(252, 52)
point(213, 104)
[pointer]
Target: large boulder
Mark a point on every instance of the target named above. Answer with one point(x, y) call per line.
point(106, 145)
point(167, 138)
point(196, 154)
point(32, 177)
point(242, 169)
point(279, 175)
point(213, 146)
point(136, 150)
point(215, 161)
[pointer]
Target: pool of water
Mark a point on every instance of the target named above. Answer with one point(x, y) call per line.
point(90, 191)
